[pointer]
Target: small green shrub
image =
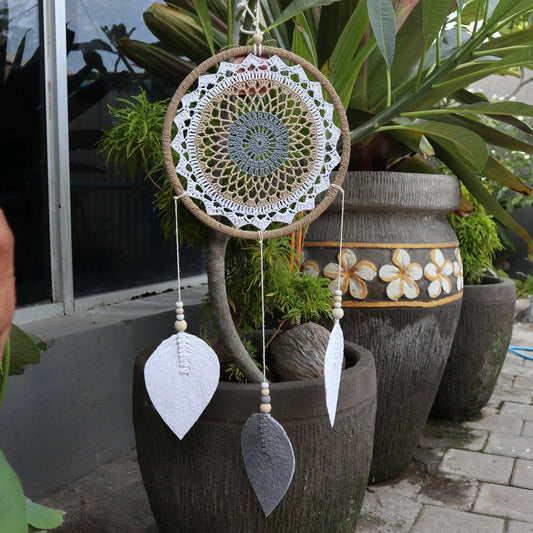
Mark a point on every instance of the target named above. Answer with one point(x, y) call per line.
point(478, 241)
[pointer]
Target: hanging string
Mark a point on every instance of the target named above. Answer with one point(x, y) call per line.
point(176, 198)
point(341, 190)
point(262, 306)
point(256, 32)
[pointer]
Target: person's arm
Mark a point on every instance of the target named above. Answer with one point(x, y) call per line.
point(7, 281)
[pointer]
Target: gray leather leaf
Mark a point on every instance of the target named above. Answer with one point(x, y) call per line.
point(268, 459)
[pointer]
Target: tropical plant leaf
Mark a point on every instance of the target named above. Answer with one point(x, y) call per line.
point(506, 8)
point(271, 10)
point(12, 502)
point(434, 14)
point(343, 69)
point(205, 20)
point(496, 109)
point(383, 22)
point(467, 97)
point(468, 145)
point(302, 43)
point(416, 165)
point(156, 60)
point(41, 517)
point(473, 183)
point(178, 30)
point(24, 350)
point(497, 172)
point(332, 20)
point(297, 6)
point(489, 134)
point(506, 43)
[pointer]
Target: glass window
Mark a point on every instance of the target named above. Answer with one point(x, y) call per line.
point(23, 191)
point(116, 239)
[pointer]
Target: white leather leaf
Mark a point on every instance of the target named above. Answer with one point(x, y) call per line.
point(332, 369)
point(268, 458)
point(181, 377)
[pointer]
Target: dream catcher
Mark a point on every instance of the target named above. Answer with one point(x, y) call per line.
point(257, 141)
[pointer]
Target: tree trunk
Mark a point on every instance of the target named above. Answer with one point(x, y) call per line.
point(220, 308)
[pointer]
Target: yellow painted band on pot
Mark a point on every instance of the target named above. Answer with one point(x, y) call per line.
point(387, 246)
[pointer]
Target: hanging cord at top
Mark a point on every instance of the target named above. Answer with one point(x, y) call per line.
point(256, 32)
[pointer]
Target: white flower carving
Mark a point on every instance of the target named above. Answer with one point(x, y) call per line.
point(353, 274)
point(437, 272)
point(458, 270)
point(402, 277)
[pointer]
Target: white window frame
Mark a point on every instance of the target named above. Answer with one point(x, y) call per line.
point(53, 13)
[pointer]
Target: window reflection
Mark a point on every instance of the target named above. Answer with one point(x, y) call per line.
point(117, 242)
point(23, 191)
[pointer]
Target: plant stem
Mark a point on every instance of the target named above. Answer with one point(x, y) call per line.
point(389, 89)
point(220, 308)
point(459, 24)
point(5, 370)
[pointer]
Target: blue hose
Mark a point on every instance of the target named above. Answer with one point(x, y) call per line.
point(517, 350)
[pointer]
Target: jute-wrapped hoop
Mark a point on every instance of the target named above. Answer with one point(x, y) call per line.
point(171, 169)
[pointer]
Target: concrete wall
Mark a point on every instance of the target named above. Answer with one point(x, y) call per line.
point(72, 412)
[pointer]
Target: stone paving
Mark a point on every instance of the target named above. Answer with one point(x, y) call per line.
point(469, 477)
point(475, 476)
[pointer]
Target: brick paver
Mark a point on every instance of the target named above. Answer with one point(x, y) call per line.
point(481, 466)
point(519, 527)
point(505, 501)
point(497, 423)
point(510, 446)
point(523, 475)
point(433, 519)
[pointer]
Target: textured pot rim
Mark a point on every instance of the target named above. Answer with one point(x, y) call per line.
point(502, 290)
point(379, 190)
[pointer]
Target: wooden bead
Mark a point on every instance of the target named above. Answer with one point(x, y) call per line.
point(180, 325)
point(258, 38)
point(265, 392)
point(337, 313)
point(180, 310)
point(265, 408)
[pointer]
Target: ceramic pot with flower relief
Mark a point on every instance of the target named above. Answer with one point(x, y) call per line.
point(402, 287)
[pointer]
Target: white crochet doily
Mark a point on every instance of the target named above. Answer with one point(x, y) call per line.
point(256, 141)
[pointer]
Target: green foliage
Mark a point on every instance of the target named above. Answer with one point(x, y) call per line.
point(136, 134)
point(518, 162)
point(402, 80)
point(233, 372)
point(524, 283)
point(18, 515)
point(12, 502)
point(25, 350)
point(289, 294)
point(478, 241)
point(135, 140)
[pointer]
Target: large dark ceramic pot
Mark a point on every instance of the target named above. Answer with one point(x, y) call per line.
point(479, 348)
point(400, 269)
point(199, 483)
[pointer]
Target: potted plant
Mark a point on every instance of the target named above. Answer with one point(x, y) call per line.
point(485, 325)
point(402, 71)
